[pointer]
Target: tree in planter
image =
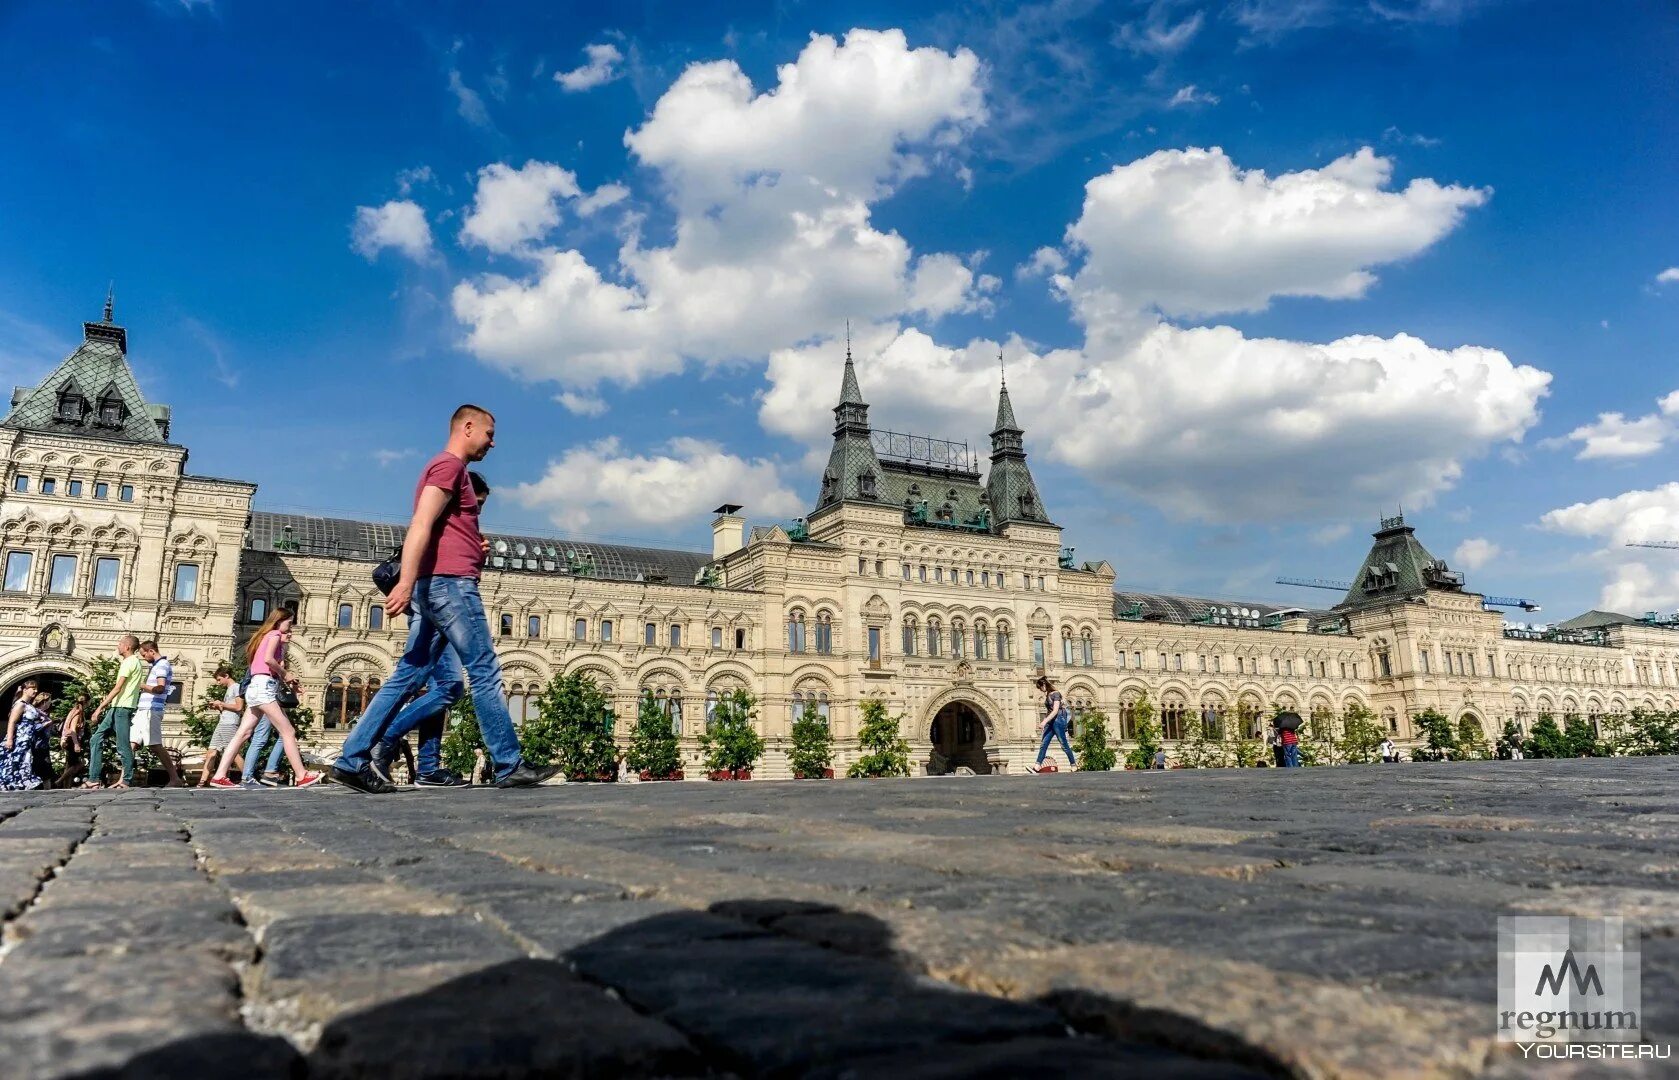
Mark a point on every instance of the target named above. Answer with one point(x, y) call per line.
point(1361, 735)
point(1141, 756)
point(573, 729)
point(1547, 740)
point(1199, 749)
point(461, 738)
point(1649, 733)
point(1580, 738)
point(730, 742)
point(653, 743)
point(812, 753)
point(885, 751)
point(1441, 740)
point(1509, 741)
point(1251, 753)
point(1091, 742)
point(1471, 740)
point(1317, 739)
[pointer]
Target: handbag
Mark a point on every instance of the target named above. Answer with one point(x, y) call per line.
point(389, 572)
point(285, 696)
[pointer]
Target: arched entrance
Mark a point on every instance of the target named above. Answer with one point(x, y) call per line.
point(958, 737)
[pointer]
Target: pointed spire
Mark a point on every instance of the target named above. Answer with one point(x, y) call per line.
point(1005, 409)
point(110, 296)
point(850, 392)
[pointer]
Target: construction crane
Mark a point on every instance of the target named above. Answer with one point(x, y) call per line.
point(1344, 586)
point(1666, 544)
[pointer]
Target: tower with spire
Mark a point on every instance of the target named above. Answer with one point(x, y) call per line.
point(1010, 490)
point(93, 392)
point(853, 472)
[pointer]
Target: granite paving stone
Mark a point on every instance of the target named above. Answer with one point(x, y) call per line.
point(1320, 923)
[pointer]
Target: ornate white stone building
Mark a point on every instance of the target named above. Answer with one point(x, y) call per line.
point(915, 579)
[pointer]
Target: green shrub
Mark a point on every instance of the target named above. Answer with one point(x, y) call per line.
point(1141, 756)
point(885, 751)
point(654, 749)
point(730, 741)
point(573, 729)
point(813, 744)
point(1091, 742)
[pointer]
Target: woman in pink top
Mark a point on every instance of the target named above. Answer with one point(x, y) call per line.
point(266, 654)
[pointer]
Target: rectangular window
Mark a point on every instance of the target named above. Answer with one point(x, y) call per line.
point(20, 482)
point(922, 572)
point(1137, 660)
point(1387, 665)
point(650, 634)
point(862, 565)
point(874, 643)
point(676, 637)
point(63, 581)
point(1040, 583)
point(102, 490)
point(938, 573)
point(716, 637)
point(1202, 659)
point(580, 630)
point(1471, 658)
point(1492, 665)
point(1343, 669)
point(906, 571)
point(76, 488)
point(186, 583)
point(1025, 581)
point(1422, 660)
point(1177, 661)
point(173, 695)
point(1216, 661)
point(970, 577)
point(125, 493)
point(1038, 651)
point(879, 568)
point(48, 485)
point(1288, 666)
point(346, 616)
point(375, 617)
point(1120, 656)
point(909, 639)
point(18, 564)
point(740, 639)
point(1089, 649)
point(533, 626)
point(105, 576)
point(985, 579)
point(1448, 659)
point(606, 630)
point(1003, 645)
point(1067, 651)
point(1276, 666)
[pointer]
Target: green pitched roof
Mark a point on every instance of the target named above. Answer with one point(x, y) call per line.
point(1398, 566)
point(97, 374)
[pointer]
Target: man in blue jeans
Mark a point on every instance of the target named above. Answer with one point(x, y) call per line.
point(442, 557)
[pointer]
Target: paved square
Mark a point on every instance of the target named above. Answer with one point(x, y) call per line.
point(1323, 922)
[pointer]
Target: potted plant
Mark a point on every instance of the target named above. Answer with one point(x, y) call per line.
point(812, 756)
point(653, 749)
point(730, 743)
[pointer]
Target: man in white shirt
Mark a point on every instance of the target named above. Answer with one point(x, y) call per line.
point(147, 729)
point(1389, 751)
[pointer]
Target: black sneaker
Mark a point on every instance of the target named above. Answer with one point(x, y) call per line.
point(526, 776)
point(364, 781)
point(443, 778)
point(379, 763)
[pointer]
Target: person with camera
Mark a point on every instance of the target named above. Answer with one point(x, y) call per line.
point(266, 655)
point(437, 587)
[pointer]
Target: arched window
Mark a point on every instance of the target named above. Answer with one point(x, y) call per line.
point(258, 609)
point(347, 699)
point(1088, 649)
point(375, 617)
point(824, 633)
point(912, 632)
point(796, 631)
point(517, 701)
point(1004, 645)
point(1171, 718)
point(333, 711)
point(958, 639)
point(1248, 712)
point(982, 642)
point(346, 616)
point(667, 698)
point(1212, 719)
point(1067, 647)
point(1128, 717)
point(935, 637)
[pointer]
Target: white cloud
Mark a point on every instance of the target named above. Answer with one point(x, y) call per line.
point(1329, 534)
point(599, 483)
point(409, 179)
point(582, 404)
point(1475, 553)
point(513, 207)
point(1612, 435)
point(601, 69)
point(773, 238)
point(398, 224)
point(1636, 579)
point(602, 197)
point(1668, 276)
point(387, 458)
point(1156, 34)
point(468, 102)
point(1189, 233)
point(1192, 95)
point(1044, 262)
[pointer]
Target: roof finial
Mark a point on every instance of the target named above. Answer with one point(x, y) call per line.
point(848, 339)
point(1003, 368)
point(110, 295)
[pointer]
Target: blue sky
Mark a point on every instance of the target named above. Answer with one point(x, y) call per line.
point(1261, 270)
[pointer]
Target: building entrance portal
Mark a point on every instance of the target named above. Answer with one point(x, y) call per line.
point(958, 738)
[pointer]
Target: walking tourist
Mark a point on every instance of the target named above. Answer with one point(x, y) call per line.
point(1159, 759)
point(1274, 738)
point(255, 772)
point(146, 729)
point(117, 708)
point(1054, 724)
point(442, 556)
point(1291, 748)
point(26, 727)
point(70, 741)
point(266, 654)
point(232, 709)
point(1389, 752)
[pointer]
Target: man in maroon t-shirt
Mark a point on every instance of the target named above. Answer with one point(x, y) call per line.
point(442, 556)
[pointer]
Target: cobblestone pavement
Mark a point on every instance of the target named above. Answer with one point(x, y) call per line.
point(1335, 922)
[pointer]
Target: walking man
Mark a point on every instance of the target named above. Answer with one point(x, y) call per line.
point(442, 556)
point(120, 701)
point(146, 729)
